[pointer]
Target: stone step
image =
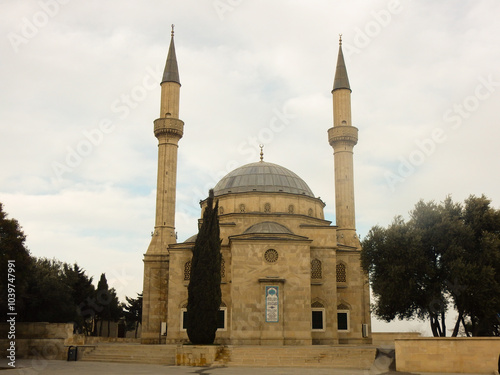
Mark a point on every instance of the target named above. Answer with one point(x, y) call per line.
point(325, 356)
point(132, 353)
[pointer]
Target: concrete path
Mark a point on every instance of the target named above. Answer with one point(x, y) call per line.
point(46, 367)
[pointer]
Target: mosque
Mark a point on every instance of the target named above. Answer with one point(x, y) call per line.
point(289, 277)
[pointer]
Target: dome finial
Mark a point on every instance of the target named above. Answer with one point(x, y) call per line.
point(261, 152)
point(172, 33)
point(340, 39)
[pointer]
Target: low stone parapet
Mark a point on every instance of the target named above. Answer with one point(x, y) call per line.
point(387, 339)
point(477, 355)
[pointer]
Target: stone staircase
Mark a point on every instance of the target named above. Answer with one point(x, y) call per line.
point(296, 356)
point(341, 356)
point(131, 353)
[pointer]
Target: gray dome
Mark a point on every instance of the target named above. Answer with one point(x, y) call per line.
point(268, 227)
point(192, 238)
point(263, 177)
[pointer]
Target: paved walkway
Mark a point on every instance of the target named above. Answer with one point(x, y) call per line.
point(45, 367)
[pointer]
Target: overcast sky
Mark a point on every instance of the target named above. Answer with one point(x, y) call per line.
point(80, 92)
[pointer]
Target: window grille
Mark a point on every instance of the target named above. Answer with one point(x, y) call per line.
point(222, 268)
point(316, 271)
point(187, 270)
point(271, 256)
point(317, 304)
point(341, 273)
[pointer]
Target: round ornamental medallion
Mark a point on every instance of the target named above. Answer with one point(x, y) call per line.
point(271, 256)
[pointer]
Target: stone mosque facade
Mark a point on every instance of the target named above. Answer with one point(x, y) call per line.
point(289, 277)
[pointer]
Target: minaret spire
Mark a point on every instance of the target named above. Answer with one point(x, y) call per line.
point(343, 137)
point(341, 80)
point(171, 71)
point(168, 129)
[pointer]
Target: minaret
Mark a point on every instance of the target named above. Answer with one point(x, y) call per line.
point(168, 129)
point(343, 137)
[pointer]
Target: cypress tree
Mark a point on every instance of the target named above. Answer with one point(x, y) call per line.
point(204, 293)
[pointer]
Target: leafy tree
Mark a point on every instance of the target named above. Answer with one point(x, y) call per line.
point(82, 291)
point(133, 313)
point(49, 290)
point(108, 306)
point(48, 296)
point(204, 293)
point(446, 253)
point(478, 268)
point(12, 247)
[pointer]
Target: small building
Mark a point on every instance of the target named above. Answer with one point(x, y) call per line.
point(289, 277)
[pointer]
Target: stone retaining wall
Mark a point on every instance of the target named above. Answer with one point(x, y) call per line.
point(448, 355)
point(386, 339)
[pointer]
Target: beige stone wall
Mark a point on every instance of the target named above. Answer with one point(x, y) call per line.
point(178, 294)
point(195, 355)
point(280, 203)
point(37, 340)
point(324, 291)
point(448, 355)
point(354, 294)
point(247, 274)
point(388, 338)
point(156, 270)
point(39, 330)
point(251, 274)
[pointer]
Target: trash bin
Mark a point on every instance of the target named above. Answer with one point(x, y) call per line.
point(72, 353)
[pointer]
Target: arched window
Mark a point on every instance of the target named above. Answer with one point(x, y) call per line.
point(342, 317)
point(341, 273)
point(316, 269)
point(187, 270)
point(318, 316)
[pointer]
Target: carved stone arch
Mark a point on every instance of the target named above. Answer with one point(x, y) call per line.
point(343, 305)
point(318, 303)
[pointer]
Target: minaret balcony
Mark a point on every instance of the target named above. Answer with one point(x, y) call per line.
point(344, 134)
point(169, 126)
